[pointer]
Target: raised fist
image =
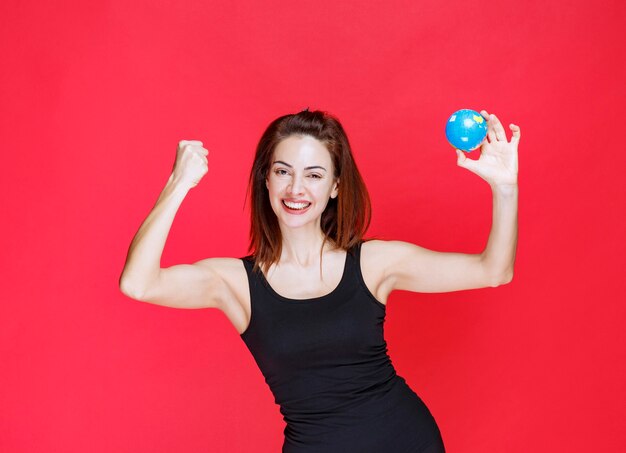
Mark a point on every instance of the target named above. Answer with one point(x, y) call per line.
point(191, 163)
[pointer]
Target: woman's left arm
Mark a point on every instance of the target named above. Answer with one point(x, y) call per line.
point(413, 268)
point(498, 166)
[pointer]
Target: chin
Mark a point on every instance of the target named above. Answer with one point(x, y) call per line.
point(289, 221)
point(294, 223)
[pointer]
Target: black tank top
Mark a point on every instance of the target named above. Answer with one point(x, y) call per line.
point(325, 360)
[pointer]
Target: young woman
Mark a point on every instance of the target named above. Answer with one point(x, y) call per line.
point(310, 300)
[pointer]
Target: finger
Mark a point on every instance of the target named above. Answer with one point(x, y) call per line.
point(190, 147)
point(459, 156)
point(497, 127)
point(491, 133)
point(200, 156)
point(517, 133)
point(189, 142)
point(462, 160)
point(203, 152)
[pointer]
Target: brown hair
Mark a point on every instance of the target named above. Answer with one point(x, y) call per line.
point(346, 217)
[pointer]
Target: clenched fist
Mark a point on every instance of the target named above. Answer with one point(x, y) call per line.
point(191, 163)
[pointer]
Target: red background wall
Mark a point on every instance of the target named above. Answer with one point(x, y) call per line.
point(94, 98)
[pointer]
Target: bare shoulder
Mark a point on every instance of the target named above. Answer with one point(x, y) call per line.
point(388, 248)
point(381, 254)
point(234, 299)
point(229, 269)
point(376, 261)
point(382, 264)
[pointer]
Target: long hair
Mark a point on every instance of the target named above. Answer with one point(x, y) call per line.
point(346, 217)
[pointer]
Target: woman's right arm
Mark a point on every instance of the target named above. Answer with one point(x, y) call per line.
point(196, 285)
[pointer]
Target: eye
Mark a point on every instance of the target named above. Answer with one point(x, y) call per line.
point(280, 172)
point(315, 176)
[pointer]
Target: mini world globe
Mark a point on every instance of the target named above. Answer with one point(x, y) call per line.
point(466, 129)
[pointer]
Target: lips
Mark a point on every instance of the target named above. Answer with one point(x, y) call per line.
point(298, 205)
point(295, 206)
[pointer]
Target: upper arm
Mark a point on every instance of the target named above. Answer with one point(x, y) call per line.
point(204, 284)
point(408, 267)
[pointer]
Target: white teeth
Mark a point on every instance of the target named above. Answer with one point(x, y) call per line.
point(292, 205)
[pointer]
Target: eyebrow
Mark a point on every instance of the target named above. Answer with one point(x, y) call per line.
point(306, 168)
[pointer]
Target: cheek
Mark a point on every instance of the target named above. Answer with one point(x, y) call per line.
point(271, 185)
point(323, 195)
point(274, 189)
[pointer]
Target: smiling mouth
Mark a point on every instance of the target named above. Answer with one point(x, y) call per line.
point(296, 206)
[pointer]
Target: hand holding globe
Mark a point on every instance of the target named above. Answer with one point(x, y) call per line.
point(467, 130)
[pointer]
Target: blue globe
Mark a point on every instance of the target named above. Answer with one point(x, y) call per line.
point(466, 129)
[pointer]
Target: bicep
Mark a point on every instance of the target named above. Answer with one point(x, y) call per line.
point(197, 285)
point(414, 268)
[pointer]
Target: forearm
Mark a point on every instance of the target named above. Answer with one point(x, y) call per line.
point(498, 258)
point(143, 262)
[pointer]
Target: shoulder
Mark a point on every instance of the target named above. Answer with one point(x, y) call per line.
point(385, 262)
point(377, 263)
point(386, 252)
point(231, 274)
point(234, 298)
point(222, 266)
point(230, 270)
point(396, 258)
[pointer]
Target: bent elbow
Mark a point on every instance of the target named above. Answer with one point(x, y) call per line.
point(502, 279)
point(130, 290)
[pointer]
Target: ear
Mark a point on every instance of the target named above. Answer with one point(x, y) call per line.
point(335, 190)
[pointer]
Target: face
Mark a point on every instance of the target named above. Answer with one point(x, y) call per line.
point(300, 181)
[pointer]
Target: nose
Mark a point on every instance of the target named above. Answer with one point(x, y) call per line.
point(296, 187)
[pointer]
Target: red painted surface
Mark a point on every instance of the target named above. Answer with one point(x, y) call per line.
point(94, 97)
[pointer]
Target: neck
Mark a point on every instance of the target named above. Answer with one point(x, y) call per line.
point(302, 246)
